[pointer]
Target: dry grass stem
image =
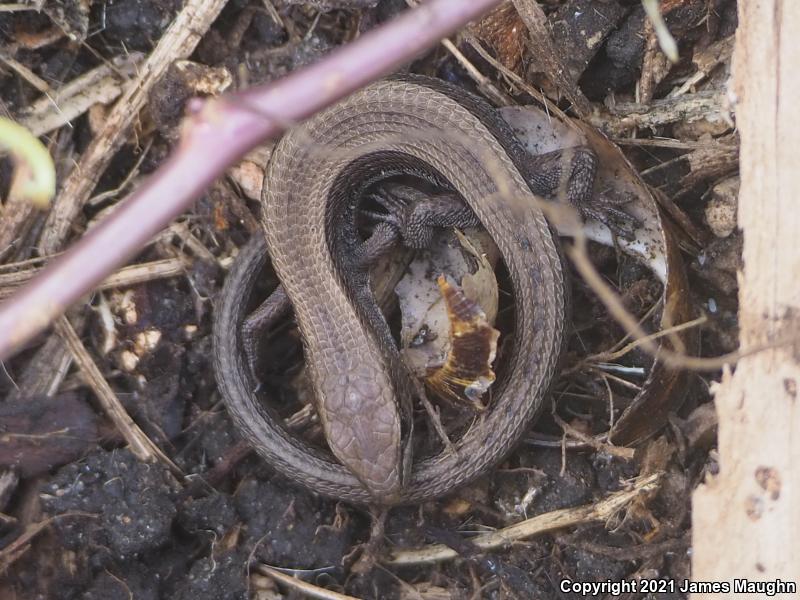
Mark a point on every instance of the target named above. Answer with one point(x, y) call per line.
point(305, 588)
point(127, 276)
point(141, 445)
point(538, 525)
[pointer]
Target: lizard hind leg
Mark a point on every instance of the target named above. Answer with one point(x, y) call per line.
point(569, 175)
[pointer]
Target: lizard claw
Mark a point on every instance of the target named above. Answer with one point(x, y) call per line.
point(609, 213)
point(394, 206)
point(393, 202)
point(379, 217)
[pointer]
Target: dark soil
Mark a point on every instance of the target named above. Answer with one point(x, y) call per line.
point(118, 527)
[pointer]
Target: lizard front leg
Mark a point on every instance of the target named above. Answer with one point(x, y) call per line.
point(417, 214)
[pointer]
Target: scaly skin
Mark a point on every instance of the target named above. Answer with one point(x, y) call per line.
point(435, 131)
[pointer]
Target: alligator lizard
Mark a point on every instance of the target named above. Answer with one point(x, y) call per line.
point(315, 176)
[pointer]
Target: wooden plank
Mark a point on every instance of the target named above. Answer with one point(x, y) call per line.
point(747, 519)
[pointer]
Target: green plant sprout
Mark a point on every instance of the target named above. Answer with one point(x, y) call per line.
point(34, 174)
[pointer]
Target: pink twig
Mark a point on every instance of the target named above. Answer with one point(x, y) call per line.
point(217, 134)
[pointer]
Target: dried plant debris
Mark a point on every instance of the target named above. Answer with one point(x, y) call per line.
point(504, 32)
point(72, 16)
point(101, 85)
point(334, 4)
point(467, 371)
point(470, 258)
point(721, 209)
point(81, 516)
point(582, 27)
point(39, 434)
point(183, 80)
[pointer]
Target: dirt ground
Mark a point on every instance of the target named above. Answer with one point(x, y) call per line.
point(82, 517)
